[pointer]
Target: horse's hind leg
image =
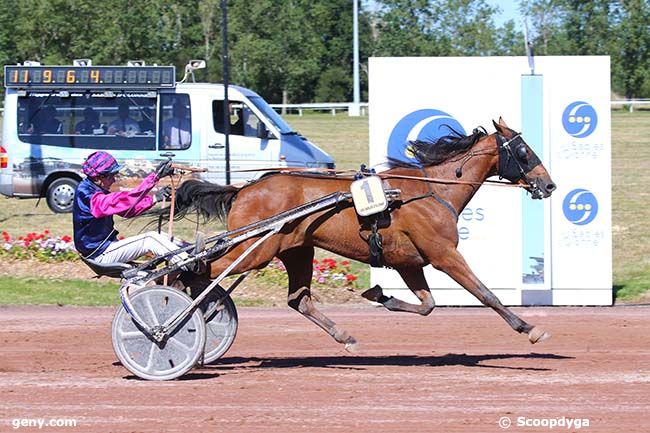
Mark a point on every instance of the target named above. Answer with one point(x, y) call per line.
point(455, 266)
point(415, 280)
point(298, 262)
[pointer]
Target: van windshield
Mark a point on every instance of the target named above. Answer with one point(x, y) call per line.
point(271, 114)
point(88, 120)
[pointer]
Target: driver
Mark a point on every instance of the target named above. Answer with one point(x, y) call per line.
point(95, 236)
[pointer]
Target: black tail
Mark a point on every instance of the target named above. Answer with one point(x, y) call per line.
point(207, 199)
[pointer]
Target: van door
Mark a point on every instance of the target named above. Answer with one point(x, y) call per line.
point(247, 150)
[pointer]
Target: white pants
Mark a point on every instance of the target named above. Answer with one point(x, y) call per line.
point(136, 246)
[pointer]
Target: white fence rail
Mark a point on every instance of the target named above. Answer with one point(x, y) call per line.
point(630, 103)
point(322, 106)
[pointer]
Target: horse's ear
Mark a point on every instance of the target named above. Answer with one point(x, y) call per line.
point(501, 127)
point(497, 126)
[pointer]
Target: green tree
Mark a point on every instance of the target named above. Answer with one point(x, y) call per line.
point(334, 84)
point(440, 28)
point(588, 27)
point(334, 26)
point(57, 31)
point(402, 28)
point(631, 66)
point(301, 50)
point(544, 18)
point(619, 29)
point(7, 44)
point(509, 41)
point(286, 56)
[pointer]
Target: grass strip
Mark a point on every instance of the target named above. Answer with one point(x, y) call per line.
point(44, 291)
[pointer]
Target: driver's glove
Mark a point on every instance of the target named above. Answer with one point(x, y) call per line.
point(163, 194)
point(165, 169)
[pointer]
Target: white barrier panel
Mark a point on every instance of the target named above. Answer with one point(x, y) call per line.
point(580, 133)
point(415, 97)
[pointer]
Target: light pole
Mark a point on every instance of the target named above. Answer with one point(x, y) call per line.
point(354, 107)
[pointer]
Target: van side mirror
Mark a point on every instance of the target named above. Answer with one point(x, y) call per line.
point(262, 132)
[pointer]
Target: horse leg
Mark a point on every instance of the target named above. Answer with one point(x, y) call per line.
point(298, 263)
point(415, 280)
point(455, 266)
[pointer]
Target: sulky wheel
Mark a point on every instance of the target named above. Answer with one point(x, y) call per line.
point(147, 358)
point(221, 325)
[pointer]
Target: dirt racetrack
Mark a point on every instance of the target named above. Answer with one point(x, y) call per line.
point(461, 369)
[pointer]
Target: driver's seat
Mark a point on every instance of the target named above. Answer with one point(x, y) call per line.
point(113, 270)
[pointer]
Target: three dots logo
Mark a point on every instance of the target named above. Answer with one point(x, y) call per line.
point(580, 206)
point(579, 119)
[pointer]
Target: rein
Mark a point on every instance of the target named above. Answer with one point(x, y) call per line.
point(503, 145)
point(449, 181)
point(381, 175)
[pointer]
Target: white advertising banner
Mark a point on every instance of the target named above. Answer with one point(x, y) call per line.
point(414, 98)
point(580, 132)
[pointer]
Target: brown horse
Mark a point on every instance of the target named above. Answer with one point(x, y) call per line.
point(422, 228)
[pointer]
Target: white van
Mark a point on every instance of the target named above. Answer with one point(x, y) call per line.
point(55, 116)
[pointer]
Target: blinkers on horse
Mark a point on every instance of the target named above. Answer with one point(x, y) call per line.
point(515, 162)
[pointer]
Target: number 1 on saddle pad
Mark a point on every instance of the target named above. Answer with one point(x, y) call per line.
point(368, 196)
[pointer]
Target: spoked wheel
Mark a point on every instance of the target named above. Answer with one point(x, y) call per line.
point(147, 358)
point(221, 323)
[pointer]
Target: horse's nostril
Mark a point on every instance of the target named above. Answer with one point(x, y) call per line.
point(550, 187)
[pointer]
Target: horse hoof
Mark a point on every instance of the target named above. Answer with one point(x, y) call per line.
point(373, 294)
point(352, 346)
point(537, 335)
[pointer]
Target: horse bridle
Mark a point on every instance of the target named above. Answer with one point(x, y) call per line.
point(515, 162)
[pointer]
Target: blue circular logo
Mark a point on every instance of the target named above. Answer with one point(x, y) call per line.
point(579, 119)
point(427, 124)
point(580, 206)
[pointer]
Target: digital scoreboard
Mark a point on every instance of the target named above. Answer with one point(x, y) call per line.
point(89, 77)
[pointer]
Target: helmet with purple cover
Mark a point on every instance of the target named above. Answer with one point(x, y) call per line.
point(100, 163)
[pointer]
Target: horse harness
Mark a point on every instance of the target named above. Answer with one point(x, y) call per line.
point(382, 219)
point(514, 164)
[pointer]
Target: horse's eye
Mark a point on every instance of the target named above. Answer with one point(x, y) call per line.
point(522, 153)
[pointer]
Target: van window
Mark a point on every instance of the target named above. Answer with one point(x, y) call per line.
point(88, 120)
point(270, 114)
point(243, 121)
point(176, 121)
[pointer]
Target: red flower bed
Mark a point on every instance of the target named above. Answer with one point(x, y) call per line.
point(327, 272)
point(42, 246)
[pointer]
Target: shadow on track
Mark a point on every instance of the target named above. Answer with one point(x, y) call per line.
point(361, 362)
point(240, 365)
point(188, 376)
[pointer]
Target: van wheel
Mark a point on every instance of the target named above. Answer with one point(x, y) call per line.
point(60, 195)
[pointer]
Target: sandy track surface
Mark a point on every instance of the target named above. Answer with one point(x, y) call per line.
point(461, 369)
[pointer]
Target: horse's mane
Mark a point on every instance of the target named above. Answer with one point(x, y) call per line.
point(441, 149)
point(209, 200)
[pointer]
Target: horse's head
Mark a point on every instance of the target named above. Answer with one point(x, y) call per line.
point(519, 164)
